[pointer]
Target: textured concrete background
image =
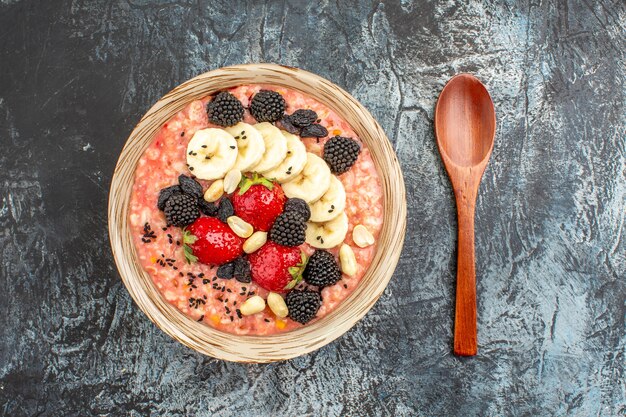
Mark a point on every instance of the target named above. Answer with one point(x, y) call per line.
point(76, 76)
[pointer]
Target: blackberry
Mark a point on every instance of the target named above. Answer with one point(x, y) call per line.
point(181, 210)
point(298, 206)
point(190, 186)
point(322, 269)
point(208, 209)
point(341, 153)
point(303, 117)
point(288, 230)
point(225, 110)
point(267, 106)
point(165, 195)
point(303, 305)
point(242, 271)
point(225, 209)
point(226, 271)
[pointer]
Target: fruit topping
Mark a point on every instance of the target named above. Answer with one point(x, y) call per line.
point(314, 131)
point(331, 204)
point(287, 124)
point(303, 305)
point(303, 117)
point(181, 210)
point(165, 195)
point(362, 237)
point(242, 271)
point(312, 182)
point(258, 202)
point(211, 153)
point(328, 234)
point(277, 304)
point(250, 146)
point(276, 267)
point(225, 210)
point(225, 110)
point(226, 271)
point(322, 269)
point(215, 243)
point(293, 163)
point(267, 106)
point(275, 147)
point(288, 230)
point(190, 186)
point(208, 209)
point(302, 122)
point(298, 206)
point(341, 153)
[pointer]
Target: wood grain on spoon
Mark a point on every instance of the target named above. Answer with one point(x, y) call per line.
point(465, 126)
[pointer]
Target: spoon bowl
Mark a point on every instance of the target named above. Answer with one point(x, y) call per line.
point(465, 126)
point(465, 121)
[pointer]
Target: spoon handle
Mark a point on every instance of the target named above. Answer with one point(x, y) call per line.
point(465, 335)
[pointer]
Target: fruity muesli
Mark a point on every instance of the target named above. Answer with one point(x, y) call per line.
point(256, 210)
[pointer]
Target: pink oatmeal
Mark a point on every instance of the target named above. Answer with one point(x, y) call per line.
point(194, 288)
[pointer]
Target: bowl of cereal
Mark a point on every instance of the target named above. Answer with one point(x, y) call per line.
point(257, 212)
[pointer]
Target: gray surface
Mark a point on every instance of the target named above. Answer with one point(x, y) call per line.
point(76, 76)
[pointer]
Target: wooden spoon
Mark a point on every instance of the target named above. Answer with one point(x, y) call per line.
point(465, 125)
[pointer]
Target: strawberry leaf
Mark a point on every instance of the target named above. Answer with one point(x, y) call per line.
point(189, 239)
point(296, 272)
point(189, 256)
point(247, 182)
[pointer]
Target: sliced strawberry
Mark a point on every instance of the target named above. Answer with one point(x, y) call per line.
point(212, 242)
point(259, 201)
point(277, 268)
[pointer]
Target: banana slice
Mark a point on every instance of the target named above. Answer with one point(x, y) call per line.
point(275, 147)
point(293, 164)
point(250, 145)
point(211, 153)
point(329, 234)
point(312, 182)
point(331, 204)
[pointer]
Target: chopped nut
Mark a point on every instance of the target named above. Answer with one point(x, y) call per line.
point(240, 226)
point(362, 237)
point(252, 305)
point(348, 260)
point(254, 242)
point(215, 191)
point(277, 304)
point(231, 180)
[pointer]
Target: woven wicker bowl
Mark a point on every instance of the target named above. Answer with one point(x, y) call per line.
point(226, 346)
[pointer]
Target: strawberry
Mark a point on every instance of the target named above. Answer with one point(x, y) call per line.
point(212, 242)
point(259, 201)
point(277, 268)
